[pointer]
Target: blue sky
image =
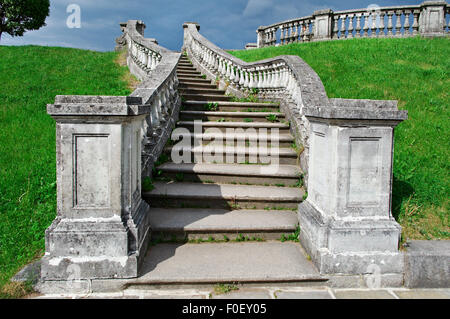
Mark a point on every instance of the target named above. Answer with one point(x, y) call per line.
point(228, 23)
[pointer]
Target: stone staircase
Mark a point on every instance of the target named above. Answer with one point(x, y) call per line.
point(240, 211)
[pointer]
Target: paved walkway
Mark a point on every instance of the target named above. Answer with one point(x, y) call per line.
point(266, 293)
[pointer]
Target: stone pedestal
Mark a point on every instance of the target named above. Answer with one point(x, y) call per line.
point(432, 18)
point(323, 24)
point(102, 226)
point(346, 222)
point(261, 37)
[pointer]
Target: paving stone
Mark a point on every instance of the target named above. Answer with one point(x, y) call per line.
point(256, 294)
point(313, 294)
point(423, 294)
point(363, 294)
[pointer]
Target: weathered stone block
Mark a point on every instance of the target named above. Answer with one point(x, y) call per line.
point(427, 264)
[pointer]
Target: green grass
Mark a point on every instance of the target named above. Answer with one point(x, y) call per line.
point(31, 77)
point(415, 72)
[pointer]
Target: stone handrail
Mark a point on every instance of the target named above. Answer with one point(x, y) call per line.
point(346, 154)
point(105, 146)
point(426, 19)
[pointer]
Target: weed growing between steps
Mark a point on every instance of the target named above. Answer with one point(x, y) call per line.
point(31, 78)
point(221, 289)
point(177, 240)
point(291, 237)
point(414, 71)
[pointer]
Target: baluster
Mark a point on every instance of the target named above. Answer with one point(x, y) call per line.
point(415, 26)
point(406, 25)
point(228, 72)
point(335, 27)
point(306, 33)
point(246, 79)
point(390, 26)
point(373, 29)
point(282, 35)
point(236, 77)
point(398, 25)
point(296, 31)
point(365, 29)
point(358, 25)
point(350, 26)
point(381, 27)
point(291, 35)
point(251, 83)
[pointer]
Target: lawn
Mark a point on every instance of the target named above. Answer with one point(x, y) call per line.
point(31, 77)
point(415, 72)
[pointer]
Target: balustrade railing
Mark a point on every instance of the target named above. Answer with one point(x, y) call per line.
point(430, 18)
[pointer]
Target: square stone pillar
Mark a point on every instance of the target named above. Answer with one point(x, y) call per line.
point(102, 225)
point(261, 37)
point(432, 18)
point(323, 24)
point(346, 222)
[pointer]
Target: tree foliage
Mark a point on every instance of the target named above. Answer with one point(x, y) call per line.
point(18, 16)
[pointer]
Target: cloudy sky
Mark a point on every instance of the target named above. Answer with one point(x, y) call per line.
point(228, 23)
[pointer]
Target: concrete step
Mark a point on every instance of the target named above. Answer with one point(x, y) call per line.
point(219, 154)
point(213, 263)
point(185, 63)
point(285, 175)
point(186, 68)
point(282, 128)
point(229, 116)
point(206, 97)
point(190, 77)
point(239, 138)
point(227, 106)
point(196, 85)
point(195, 195)
point(188, 73)
point(191, 90)
point(207, 224)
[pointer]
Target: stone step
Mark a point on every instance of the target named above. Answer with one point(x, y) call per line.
point(185, 63)
point(196, 85)
point(206, 97)
point(229, 116)
point(190, 77)
point(219, 154)
point(282, 128)
point(213, 263)
point(285, 175)
point(227, 106)
point(239, 138)
point(195, 195)
point(186, 68)
point(189, 73)
point(200, 91)
point(188, 223)
point(183, 79)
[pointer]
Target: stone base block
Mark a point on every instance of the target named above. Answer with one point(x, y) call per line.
point(78, 268)
point(427, 264)
point(352, 248)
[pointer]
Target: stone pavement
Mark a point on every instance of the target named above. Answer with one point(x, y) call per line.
point(269, 292)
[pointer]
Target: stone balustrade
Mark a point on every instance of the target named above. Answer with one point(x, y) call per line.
point(346, 147)
point(105, 146)
point(427, 19)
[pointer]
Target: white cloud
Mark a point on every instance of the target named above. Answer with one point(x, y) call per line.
point(257, 7)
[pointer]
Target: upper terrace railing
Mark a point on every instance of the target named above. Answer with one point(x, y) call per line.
point(427, 19)
point(105, 146)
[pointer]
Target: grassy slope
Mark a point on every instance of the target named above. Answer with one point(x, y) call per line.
point(30, 78)
point(415, 72)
